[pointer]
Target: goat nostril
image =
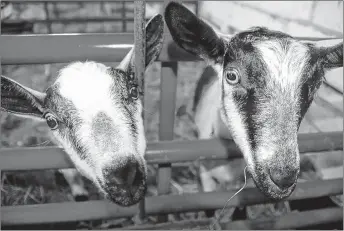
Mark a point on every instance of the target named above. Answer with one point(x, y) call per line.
point(281, 179)
point(125, 175)
point(131, 176)
point(80, 198)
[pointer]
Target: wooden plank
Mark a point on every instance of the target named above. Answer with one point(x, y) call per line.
point(162, 152)
point(140, 66)
point(291, 220)
point(63, 48)
point(109, 47)
point(59, 48)
point(166, 124)
point(93, 210)
point(168, 89)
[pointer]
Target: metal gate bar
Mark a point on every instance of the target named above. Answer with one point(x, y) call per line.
point(102, 47)
point(140, 66)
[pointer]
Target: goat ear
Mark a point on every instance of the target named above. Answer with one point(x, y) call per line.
point(193, 34)
point(20, 100)
point(154, 38)
point(330, 51)
point(154, 42)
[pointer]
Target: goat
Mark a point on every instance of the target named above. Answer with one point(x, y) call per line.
point(257, 87)
point(95, 113)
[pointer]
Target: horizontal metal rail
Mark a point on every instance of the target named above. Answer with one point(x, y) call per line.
point(75, 20)
point(63, 48)
point(93, 210)
point(164, 152)
point(291, 220)
point(102, 47)
point(74, 1)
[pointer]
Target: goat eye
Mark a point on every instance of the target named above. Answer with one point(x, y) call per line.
point(134, 92)
point(232, 76)
point(51, 120)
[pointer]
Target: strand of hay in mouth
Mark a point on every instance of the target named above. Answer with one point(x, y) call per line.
point(224, 207)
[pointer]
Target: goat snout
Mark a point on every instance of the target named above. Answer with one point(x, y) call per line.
point(283, 178)
point(124, 182)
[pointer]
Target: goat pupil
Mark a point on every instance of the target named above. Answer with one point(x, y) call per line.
point(134, 93)
point(231, 76)
point(52, 123)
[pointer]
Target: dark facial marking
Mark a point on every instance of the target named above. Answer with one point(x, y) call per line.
point(68, 116)
point(104, 132)
point(311, 81)
point(123, 83)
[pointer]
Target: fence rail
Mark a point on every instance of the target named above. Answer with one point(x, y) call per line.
point(102, 47)
point(289, 221)
point(93, 210)
point(163, 152)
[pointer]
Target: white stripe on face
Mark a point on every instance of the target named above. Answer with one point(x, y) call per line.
point(234, 120)
point(284, 61)
point(235, 123)
point(93, 94)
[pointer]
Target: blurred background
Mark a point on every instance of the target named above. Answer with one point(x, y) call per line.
point(298, 18)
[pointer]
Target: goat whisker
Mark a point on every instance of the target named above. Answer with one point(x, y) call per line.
point(224, 207)
point(45, 143)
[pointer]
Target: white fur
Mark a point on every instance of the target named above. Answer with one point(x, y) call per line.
point(93, 94)
point(284, 66)
point(207, 111)
point(238, 127)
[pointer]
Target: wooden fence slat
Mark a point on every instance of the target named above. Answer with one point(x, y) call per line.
point(166, 123)
point(93, 210)
point(168, 89)
point(291, 220)
point(102, 47)
point(109, 47)
point(160, 152)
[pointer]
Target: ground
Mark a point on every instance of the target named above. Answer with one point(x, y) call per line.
point(36, 187)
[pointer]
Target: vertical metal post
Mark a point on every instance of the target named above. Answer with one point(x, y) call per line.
point(0, 30)
point(140, 66)
point(0, 95)
point(196, 8)
point(0, 83)
point(168, 89)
